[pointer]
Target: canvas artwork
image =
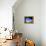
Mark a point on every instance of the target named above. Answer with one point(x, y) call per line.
point(29, 19)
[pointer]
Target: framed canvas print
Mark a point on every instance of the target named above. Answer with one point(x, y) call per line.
point(29, 19)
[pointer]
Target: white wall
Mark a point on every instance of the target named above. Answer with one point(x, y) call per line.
point(6, 13)
point(37, 31)
point(6, 18)
point(43, 22)
point(29, 8)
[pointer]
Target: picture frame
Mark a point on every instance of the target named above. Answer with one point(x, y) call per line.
point(29, 19)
